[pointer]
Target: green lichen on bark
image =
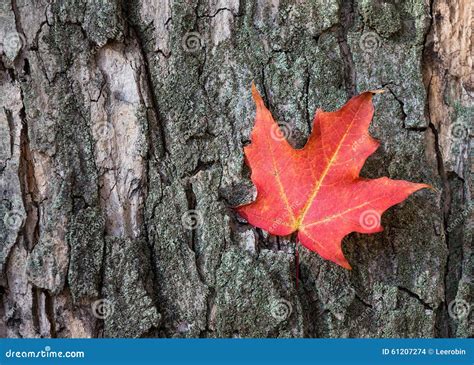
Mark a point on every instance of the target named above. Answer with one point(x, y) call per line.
point(86, 242)
point(107, 220)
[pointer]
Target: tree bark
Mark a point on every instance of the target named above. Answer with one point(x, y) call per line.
point(121, 157)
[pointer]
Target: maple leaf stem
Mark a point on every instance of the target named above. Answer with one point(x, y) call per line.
point(297, 265)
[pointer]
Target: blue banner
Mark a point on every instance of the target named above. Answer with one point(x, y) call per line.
point(237, 351)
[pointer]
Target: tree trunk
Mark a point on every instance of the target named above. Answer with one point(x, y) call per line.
point(123, 125)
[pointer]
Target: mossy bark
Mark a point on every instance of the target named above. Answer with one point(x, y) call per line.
point(121, 156)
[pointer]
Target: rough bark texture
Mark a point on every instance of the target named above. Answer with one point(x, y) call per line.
point(122, 125)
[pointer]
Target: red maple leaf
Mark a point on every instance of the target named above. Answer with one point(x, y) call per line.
point(317, 190)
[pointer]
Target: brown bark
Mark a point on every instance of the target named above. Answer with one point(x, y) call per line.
point(122, 130)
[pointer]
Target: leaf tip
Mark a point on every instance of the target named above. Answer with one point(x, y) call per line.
point(420, 186)
point(345, 264)
point(256, 95)
point(428, 186)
